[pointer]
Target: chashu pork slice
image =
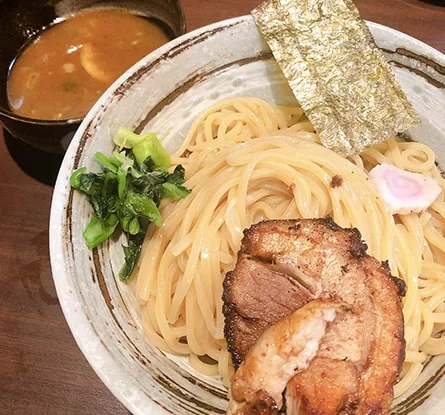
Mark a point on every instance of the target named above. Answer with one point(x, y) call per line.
point(361, 354)
point(284, 349)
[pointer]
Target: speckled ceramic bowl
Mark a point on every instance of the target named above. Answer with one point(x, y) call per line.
point(164, 92)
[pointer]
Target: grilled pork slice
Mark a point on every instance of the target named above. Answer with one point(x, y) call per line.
point(321, 389)
point(254, 299)
point(284, 349)
point(284, 264)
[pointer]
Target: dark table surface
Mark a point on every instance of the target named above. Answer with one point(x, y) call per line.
point(42, 371)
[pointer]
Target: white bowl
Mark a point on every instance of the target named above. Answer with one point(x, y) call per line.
point(163, 93)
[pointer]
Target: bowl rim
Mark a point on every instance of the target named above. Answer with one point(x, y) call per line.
point(68, 297)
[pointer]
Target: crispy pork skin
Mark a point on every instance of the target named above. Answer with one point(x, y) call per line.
point(284, 264)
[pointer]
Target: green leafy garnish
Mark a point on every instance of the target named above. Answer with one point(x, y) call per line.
point(131, 253)
point(125, 195)
point(144, 146)
point(98, 230)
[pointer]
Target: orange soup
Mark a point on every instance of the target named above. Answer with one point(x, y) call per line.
point(62, 72)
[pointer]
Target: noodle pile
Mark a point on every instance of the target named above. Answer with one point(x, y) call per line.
point(236, 181)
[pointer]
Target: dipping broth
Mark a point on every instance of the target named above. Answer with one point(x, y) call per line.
point(63, 71)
